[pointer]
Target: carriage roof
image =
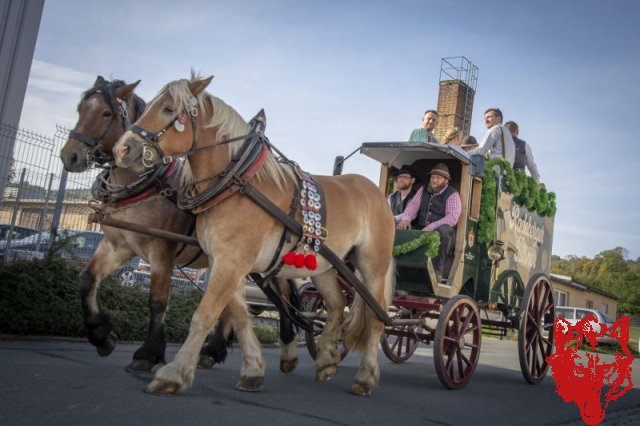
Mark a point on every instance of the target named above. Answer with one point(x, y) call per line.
point(397, 154)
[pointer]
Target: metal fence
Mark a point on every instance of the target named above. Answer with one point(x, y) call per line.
point(39, 194)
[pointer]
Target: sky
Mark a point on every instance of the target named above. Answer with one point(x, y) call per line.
point(332, 74)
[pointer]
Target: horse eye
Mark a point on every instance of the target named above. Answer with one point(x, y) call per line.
point(106, 114)
point(168, 110)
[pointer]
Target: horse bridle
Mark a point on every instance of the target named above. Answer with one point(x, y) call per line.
point(152, 139)
point(95, 154)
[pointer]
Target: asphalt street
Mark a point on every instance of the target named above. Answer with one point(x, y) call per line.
point(67, 383)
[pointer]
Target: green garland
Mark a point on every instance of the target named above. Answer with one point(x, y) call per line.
point(431, 239)
point(524, 188)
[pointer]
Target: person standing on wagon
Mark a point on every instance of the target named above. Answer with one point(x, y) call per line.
point(425, 133)
point(404, 180)
point(524, 156)
point(497, 141)
point(436, 210)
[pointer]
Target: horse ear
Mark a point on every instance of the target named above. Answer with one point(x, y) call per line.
point(196, 87)
point(123, 92)
point(99, 81)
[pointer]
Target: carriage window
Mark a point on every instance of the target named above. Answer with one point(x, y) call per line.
point(476, 190)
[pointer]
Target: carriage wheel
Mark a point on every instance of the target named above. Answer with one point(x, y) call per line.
point(399, 342)
point(316, 305)
point(507, 294)
point(457, 341)
point(535, 338)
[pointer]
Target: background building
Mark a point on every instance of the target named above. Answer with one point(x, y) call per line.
point(458, 80)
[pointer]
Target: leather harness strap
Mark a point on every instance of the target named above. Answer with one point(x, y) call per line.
point(295, 227)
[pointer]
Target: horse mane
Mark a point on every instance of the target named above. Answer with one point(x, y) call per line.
point(108, 91)
point(228, 124)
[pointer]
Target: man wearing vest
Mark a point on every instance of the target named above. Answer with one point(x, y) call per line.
point(524, 156)
point(436, 207)
point(404, 181)
point(497, 141)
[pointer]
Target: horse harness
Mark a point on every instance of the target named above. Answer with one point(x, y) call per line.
point(236, 178)
point(95, 154)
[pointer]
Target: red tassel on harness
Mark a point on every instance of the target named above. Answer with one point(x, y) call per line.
point(289, 258)
point(311, 262)
point(299, 262)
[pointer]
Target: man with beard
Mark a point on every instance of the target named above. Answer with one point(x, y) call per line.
point(404, 180)
point(436, 209)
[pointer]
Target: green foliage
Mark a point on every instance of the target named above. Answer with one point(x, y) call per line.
point(41, 297)
point(429, 239)
point(524, 188)
point(609, 271)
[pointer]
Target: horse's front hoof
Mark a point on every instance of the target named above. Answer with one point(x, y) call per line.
point(326, 372)
point(162, 387)
point(206, 362)
point(361, 389)
point(288, 366)
point(109, 344)
point(141, 366)
point(250, 384)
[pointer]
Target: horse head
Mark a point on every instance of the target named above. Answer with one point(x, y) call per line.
point(181, 121)
point(105, 112)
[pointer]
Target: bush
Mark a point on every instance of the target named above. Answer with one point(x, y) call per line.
point(42, 297)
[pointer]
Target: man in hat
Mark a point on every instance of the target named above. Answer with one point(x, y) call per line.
point(404, 179)
point(497, 141)
point(469, 143)
point(436, 208)
point(425, 133)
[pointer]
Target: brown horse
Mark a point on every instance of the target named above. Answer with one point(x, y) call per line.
point(241, 237)
point(104, 113)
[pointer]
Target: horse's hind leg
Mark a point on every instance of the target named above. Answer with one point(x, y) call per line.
point(288, 341)
point(328, 356)
point(105, 260)
point(364, 327)
point(217, 347)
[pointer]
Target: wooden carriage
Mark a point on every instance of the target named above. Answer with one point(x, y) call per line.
point(493, 286)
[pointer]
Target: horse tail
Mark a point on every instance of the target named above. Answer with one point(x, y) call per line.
point(361, 317)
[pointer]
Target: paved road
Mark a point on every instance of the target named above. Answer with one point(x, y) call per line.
point(66, 383)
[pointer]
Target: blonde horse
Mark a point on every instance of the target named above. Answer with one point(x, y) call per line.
point(240, 236)
point(105, 112)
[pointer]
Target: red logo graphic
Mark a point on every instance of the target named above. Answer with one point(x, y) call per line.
point(581, 380)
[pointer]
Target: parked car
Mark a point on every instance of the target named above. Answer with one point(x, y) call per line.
point(257, 301)
point(17, 232)
point(575, 314)
point(81, 245)
point(137, 271)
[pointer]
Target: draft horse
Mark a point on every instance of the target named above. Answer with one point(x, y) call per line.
point(147, 198)
point(226, 161)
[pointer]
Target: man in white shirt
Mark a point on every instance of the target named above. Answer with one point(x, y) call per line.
point(497, 141)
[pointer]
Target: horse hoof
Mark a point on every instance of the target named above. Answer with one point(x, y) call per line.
point(109, 344)
point(361, 389)
point(326, 373)
point(140, 366)
point(162, 387)
point(206, 362)
point(250, 384)
point(288, 366)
